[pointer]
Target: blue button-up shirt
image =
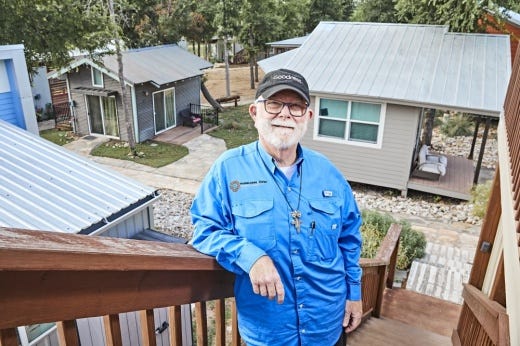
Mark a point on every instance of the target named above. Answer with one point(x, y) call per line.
point(240, 214)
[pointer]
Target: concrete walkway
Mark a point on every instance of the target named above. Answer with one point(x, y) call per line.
point(184, 175)
point(440, 273)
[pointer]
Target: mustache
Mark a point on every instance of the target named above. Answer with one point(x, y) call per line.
point(291, 124)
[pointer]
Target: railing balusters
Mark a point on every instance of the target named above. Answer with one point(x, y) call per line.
point(68, 333)
point(220, 322)
point(235, 337)
point(8, 337)
point(202, 324)
point(147, 327)
point(175, 322)
point(112, 330)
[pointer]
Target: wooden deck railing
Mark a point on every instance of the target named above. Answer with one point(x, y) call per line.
point(48, 276)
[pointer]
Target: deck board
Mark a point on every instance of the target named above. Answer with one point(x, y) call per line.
point(409, 318)
point(456, 183)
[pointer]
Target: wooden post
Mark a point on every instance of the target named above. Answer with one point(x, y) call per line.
point(147, 327)
point(220, 322)
point(8, 337)
point(68, 333)
point(175, 321)
point(235, 337)
point(475, 134)
point(202, 324)
point(481, 153)
point(112, 330)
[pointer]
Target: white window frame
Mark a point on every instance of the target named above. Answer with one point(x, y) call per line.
point(163, 91)
point(93, 70)
point(348, 121)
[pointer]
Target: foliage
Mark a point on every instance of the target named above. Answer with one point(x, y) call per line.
point(457, 125)
point(379, 11)
point(236, 127)
point(58, 137)
point(374, 228)
point(50, 29)
point(150, 153)
point(480, 198)
point(327, 10)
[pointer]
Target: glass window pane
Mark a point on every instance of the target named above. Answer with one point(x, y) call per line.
point(333, 108)
point(365, 111)
point(332, 128)
point(169, 100)
point(97, 77)
point(35, 330)
point(110, 113)
point(94, 114)
point(158, 109)
point(363, 132)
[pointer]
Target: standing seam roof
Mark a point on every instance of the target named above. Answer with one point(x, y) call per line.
point(46, 187)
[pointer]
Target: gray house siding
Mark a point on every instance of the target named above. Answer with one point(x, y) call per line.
point(83, 78)
point(388, 166)
point(131, 226)
point(186, 92)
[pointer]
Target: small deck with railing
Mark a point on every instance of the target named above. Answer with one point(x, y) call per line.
point(456, 183)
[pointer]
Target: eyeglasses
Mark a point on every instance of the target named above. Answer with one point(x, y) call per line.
point(275, 107)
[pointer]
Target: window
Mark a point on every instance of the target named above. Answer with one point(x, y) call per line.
point(164, 109)
point(357, 123)
point(97, 77)
point(102, 115)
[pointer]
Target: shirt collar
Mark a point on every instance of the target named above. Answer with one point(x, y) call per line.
point(269, 161)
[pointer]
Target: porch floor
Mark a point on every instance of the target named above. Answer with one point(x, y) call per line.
point(178, 135)
point(456, 183)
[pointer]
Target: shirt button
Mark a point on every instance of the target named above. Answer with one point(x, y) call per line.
point(289, 189)
point(298, 278)
point(301, 306)
point(295, 251)
point(303, 331)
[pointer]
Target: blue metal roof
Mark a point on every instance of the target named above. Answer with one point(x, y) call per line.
point(420, 65)
point(46, 187)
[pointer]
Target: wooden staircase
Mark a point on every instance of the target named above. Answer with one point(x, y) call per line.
point(408, 318)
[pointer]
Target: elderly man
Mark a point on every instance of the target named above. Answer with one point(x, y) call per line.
point(284, 220)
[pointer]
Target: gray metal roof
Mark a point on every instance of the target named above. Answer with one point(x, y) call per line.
point(290, 42)
point(46, 187)
point(422, 65)
point(158, 65)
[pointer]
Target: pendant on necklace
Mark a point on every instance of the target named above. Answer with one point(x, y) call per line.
point(296, 214)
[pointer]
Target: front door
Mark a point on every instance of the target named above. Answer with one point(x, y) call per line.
point(102, 114)
point(164, 109)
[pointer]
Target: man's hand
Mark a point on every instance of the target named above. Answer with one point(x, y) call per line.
point(353, 314)
point(266, 280)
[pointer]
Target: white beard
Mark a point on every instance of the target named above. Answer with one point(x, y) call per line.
point(278, 137)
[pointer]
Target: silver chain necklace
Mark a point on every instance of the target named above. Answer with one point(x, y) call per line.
point(295, 214)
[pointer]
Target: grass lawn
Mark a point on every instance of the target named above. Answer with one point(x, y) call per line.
point(236, 127)
point(150, 153)
point(58, 137)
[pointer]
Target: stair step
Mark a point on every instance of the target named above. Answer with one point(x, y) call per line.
point(385, 331)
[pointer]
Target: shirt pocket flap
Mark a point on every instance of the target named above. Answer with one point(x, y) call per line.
point(252, 208)
point(328, 206)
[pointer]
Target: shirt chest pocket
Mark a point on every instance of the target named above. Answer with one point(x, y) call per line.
point(323, 238)
point(254, 220)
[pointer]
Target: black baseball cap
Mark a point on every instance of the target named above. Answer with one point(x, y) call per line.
point(283, 79)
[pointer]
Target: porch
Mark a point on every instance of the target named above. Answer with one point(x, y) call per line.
point(456, 183)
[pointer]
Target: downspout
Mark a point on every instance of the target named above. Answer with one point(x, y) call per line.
point(134, 114)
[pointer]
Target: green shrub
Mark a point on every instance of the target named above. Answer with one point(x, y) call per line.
point(480, 198)
point(374, 228)
point(457, 125)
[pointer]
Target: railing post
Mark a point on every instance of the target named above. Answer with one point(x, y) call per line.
point(112, 330)
point(68, 333)
point(392, 265)
point(220, 322)
point(202, 324)
point(175, 321)
point(8, 337)
point(147, 327)
point(380, 291)
point(234, 325)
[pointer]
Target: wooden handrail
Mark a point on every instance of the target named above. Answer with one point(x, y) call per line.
point(49, 276)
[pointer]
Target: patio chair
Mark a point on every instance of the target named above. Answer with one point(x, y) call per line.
point(430, 166)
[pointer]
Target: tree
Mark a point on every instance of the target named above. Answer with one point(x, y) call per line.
point(379, 11)
point(327, 10)
point(50, 29)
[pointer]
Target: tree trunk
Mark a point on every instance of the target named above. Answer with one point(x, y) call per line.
point(251, 70)
point(126, 113)
point(226, 61)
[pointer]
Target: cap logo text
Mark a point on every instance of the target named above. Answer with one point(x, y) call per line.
point(284, 76)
